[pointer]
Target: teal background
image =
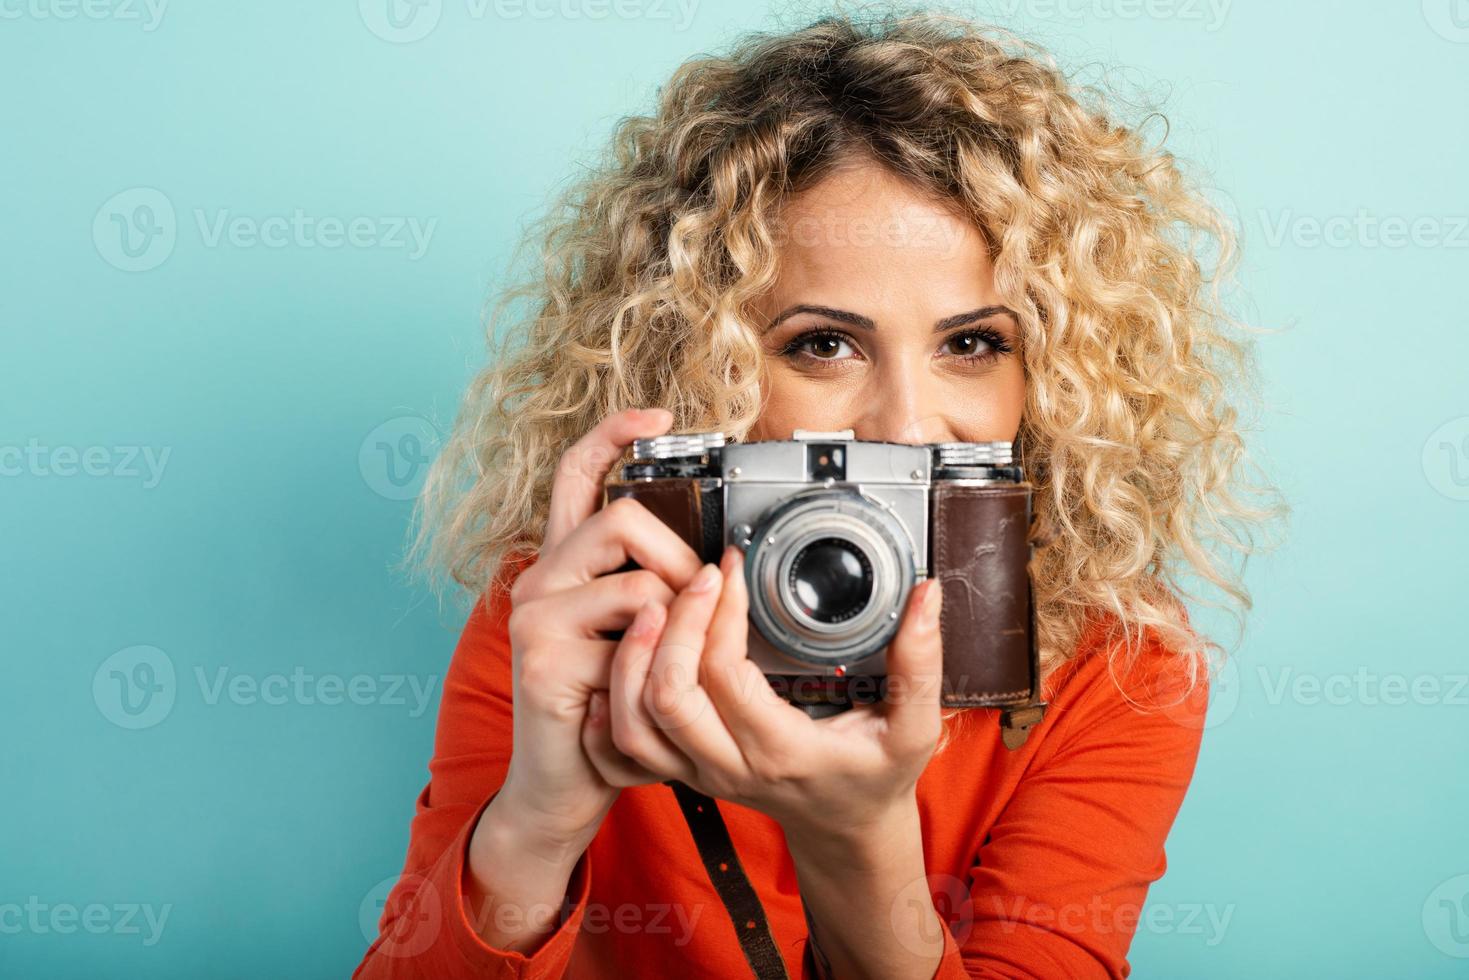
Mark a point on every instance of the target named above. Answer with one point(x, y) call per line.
point(1327, 827)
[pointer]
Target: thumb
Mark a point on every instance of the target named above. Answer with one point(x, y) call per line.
point(916, 666)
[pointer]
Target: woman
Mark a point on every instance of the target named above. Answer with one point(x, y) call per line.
point(913, 229)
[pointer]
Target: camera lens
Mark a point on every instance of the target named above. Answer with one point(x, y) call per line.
point(831, 580)
point(827, 568)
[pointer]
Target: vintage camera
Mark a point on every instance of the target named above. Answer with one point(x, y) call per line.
point(836, 532)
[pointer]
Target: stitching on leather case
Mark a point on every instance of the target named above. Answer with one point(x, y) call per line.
point(996, 694)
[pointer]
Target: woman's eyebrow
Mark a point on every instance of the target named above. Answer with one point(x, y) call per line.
point(959, 319)
point(865, 323)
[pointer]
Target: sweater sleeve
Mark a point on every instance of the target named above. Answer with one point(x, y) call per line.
point(424, 930)
point(1059, 884)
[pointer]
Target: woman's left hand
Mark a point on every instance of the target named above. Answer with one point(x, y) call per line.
point(687, 703)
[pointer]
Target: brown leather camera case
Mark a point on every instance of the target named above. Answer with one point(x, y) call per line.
point(980, 549)
point(981, 553)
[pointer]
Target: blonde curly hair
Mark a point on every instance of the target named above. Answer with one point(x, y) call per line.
point(652, 262)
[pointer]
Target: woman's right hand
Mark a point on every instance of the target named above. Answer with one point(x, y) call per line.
point(553, 799)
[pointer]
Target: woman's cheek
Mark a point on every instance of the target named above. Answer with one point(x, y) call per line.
point(795, 402)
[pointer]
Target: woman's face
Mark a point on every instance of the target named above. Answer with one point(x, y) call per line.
point(884, 320)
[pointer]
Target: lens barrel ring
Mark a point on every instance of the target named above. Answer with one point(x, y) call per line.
point(808, 518)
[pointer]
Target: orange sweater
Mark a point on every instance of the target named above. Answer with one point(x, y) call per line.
point(1039, 859)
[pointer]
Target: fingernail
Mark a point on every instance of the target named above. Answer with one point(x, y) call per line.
point(596, 707)
point(705, 580)
point(643, 622)
point(933, 601)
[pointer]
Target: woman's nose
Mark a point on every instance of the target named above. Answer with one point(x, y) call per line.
point(904, 410)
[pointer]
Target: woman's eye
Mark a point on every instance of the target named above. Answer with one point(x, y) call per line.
point(969, 345)
point(821, 346)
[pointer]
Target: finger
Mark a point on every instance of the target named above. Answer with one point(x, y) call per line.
point(915, 664)
point(608, 602)
point(605, 541)
point(761, 720)
point(675, 700)
point(615, 768)
point(558, 678)
point(633, 731)
point(576, 492)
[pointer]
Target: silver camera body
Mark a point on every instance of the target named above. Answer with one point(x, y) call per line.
point(836, 532)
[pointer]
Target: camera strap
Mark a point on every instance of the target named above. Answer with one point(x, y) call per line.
point(727, 875)
point(722, 864)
